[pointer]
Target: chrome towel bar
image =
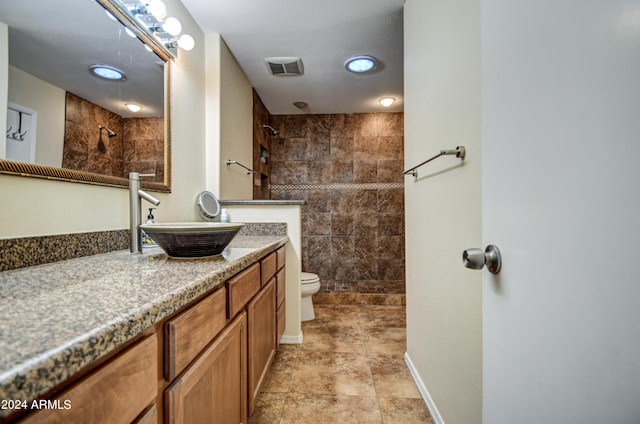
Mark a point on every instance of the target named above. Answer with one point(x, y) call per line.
point(232, 162)
point(459, 151)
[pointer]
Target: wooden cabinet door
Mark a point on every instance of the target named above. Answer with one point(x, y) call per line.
point(261, 316)
point(213, 390)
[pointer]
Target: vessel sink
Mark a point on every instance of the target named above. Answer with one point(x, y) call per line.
point(192, 239)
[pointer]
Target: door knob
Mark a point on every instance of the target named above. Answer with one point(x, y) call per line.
point(476, 258)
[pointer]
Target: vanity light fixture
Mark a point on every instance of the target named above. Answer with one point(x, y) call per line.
point(133, 107)
point(152, 15)
point(361, 64)
point(145, 11)
point(107, 72)
point(387, 101)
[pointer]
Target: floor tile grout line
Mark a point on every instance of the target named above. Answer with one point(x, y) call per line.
point(373, 381)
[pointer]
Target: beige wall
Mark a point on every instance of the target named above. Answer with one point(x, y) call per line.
point(236, 128)
point(212, 112)
point(229, 111)
point(4, 77)
point(33, 207)
point(49, 102)
point(443, 207)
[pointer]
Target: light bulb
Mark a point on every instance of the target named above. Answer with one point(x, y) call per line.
point(387, 101)
point(186, 42)
point(172, 26)
point(133, 107)
point(158, 9)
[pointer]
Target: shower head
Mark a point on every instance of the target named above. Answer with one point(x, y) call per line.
point(274, 132)
point(110, 133)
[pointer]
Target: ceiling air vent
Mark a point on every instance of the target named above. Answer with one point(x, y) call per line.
point(284, 65)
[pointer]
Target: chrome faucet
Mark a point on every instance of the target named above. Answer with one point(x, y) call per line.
point(135, 208)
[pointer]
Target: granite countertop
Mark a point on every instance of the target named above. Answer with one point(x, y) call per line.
point(56, 319)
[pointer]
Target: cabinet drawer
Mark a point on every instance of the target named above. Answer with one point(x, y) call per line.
point(281, 319)
point(280, 287)
point(116, 393)
point(191, 331)
point(268, 265)
point(281, 257)
point(241, 288)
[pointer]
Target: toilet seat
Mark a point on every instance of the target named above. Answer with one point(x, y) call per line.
point(308, 278)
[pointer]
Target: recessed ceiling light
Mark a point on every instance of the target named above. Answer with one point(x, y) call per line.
point(107, 72)
point(133, 107)
point(387, 101)
point(361, 64)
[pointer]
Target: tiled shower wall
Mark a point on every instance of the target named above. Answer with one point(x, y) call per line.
point(143, 147)
point(348, 168)
point(138, 145)
point(86, 148)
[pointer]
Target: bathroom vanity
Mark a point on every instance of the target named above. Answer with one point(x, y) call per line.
point(121, 338)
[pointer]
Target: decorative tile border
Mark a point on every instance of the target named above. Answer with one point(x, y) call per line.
point(337, 186)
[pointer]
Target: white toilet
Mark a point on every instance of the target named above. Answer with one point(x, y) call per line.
point(310, 284)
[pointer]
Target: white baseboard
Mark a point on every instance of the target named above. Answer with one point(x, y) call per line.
point(291, 339)
point(435, 414)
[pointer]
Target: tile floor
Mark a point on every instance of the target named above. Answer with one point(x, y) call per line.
point(349, 369)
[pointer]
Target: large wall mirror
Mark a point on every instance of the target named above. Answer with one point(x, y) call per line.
point(65, 121)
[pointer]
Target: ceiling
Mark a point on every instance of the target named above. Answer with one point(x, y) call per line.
point(324, 34)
